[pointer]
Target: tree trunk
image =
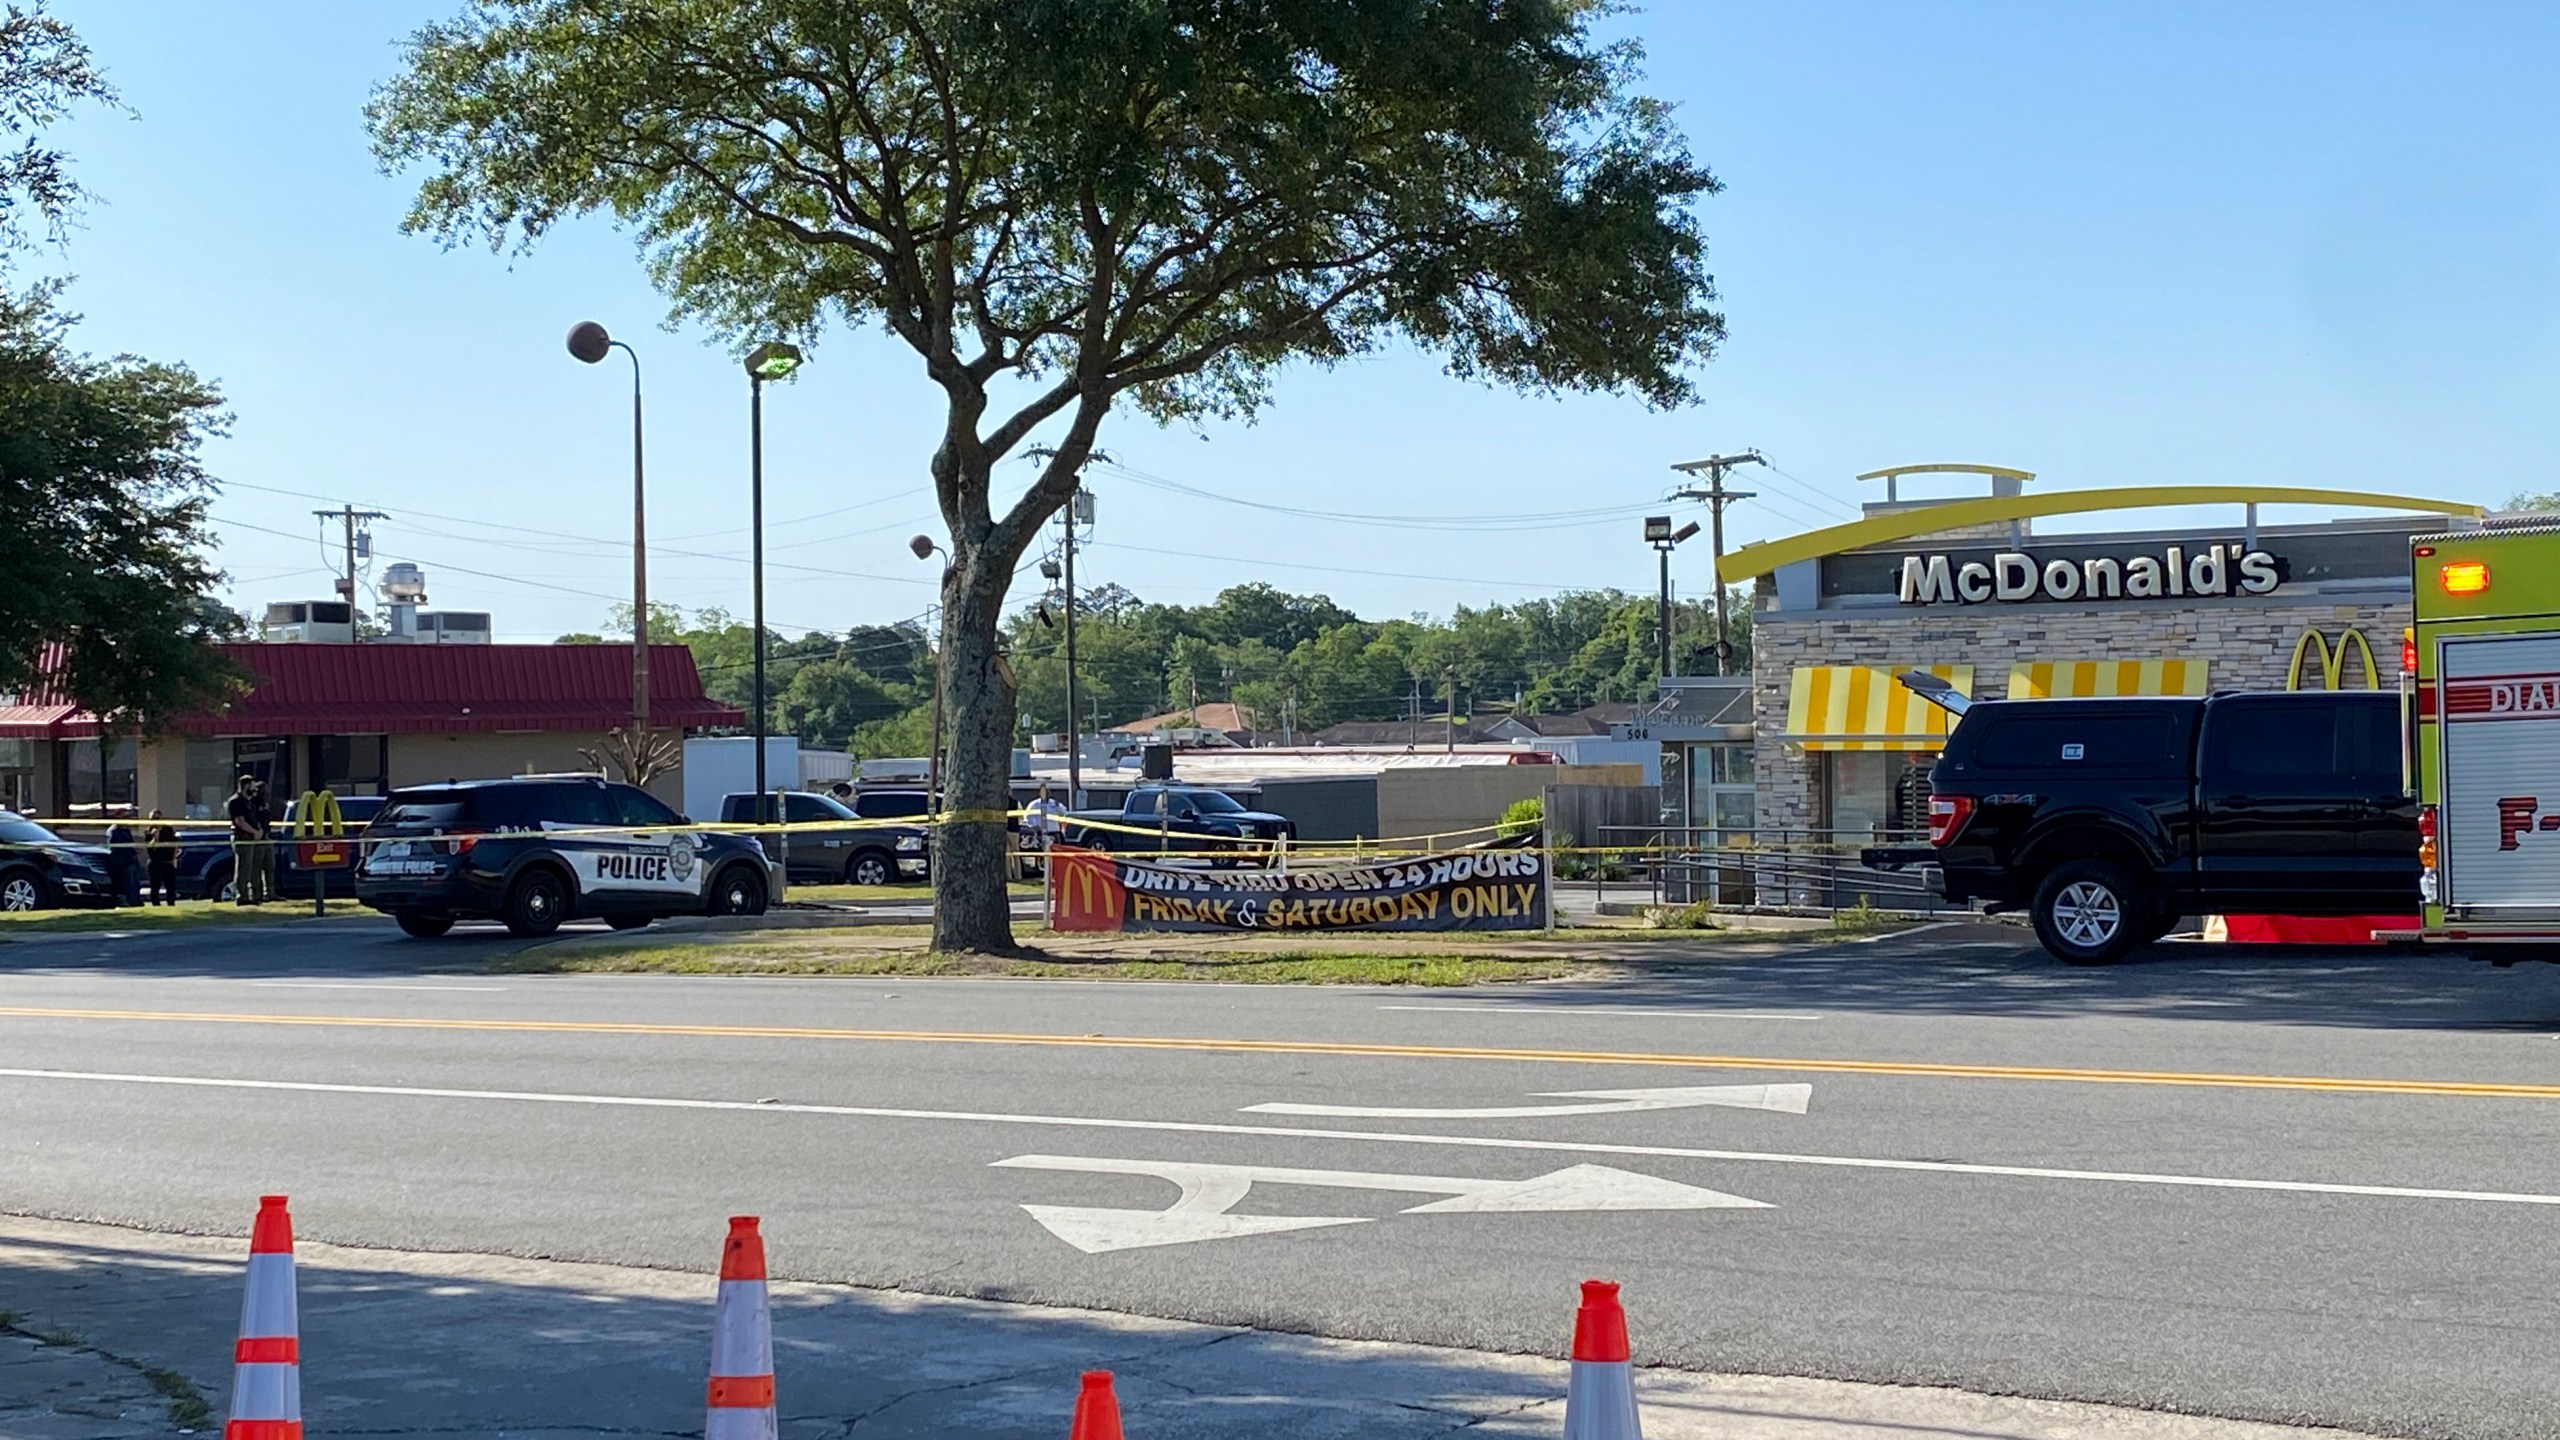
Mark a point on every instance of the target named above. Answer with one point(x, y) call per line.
point(971, 910)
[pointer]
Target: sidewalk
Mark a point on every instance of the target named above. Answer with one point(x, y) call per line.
point(448, 1346)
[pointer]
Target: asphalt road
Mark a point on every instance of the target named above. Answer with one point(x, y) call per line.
point(2303, 1188)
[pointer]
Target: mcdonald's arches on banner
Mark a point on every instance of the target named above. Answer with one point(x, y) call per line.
point(1486, 889)
point(2331, 660)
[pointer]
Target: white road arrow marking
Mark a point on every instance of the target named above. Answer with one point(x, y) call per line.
point(1788, 1099)
point(1209, 1191)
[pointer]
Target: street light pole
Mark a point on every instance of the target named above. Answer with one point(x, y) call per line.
point(771, 361)
point(1659, 534)
point(924, 547)
point(1075, 746)
point(590, 342)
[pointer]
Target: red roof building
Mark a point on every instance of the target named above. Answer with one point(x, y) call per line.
point(357, 718)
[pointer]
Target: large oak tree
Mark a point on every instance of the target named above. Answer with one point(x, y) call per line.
point(1065, 206)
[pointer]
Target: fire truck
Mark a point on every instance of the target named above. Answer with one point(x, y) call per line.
point(2481, 671)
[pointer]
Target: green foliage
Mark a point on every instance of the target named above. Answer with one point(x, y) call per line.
point(2544, 502)
point(1694, 916)
point(102, 497)
point(1308, 659)
point(103, 502)
point(44, 72)
point(1522, 817)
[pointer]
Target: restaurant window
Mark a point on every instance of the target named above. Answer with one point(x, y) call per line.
point(102, 777)
point(349, 764)
point(1874, 795)
point(17, 775)
point(210, 773)
point(1722, 797)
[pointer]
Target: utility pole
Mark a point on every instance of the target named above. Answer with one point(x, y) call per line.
point(1718, 497)
point(1453, 712)
point(350, 515)
point(1079, 511)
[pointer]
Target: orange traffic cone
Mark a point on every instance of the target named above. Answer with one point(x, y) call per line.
point(1097, 1409)
point(1600, 1397)
point(266, 1381)
point(741, 1399)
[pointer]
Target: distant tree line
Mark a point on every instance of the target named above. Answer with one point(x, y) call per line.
point(1295, 661)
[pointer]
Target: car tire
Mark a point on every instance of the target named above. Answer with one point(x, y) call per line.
point(629, 922)
point(871, 867)
point(737, 891)
point(423, 924)
point(22, 890)
point(2090, 912)
point(536, 904)
point(217, 884)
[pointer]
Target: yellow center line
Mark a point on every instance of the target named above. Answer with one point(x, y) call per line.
point(2353, 1085)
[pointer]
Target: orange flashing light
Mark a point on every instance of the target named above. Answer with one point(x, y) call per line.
point(2466, 577)
point(2408, 652)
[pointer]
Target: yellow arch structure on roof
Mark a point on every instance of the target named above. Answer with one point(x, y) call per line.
point(1752, 561)
point(1997, 472)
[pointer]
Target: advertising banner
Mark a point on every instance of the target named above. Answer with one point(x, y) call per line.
point(1493, 889)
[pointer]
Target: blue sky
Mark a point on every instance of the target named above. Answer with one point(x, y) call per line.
point(2115, 245)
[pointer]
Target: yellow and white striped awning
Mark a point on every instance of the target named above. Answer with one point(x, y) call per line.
point(2092, 679)
point(1859, 707)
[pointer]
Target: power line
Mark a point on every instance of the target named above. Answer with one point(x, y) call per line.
point(1544, 520)
point(1336, 569)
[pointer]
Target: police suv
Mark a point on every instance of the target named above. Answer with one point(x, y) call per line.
point(536, 850)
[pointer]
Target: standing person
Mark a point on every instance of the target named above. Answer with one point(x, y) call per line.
point(160, 848)
point(1040, 819)
point(124, 864)
point(252, 882)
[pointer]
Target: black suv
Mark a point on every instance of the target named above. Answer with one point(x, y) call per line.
point(2109, 820)
point(40, 870)
point(542, 849)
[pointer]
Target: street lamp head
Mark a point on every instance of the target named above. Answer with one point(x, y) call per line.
point(772, 360)
point(923, 546)
point(589, 341)
point(1684, 532)
point(1657, 528)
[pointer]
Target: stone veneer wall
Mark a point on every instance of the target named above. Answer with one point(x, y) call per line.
point(2247, 644)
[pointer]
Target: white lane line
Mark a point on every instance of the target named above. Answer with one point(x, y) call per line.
point(1785, 1099)
point(1293, 1132)
point(1599, 1010)
point(1907, 934)
point(354, 985)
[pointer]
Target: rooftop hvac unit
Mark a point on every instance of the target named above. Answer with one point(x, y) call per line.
point(309, 622)
point(404, 583)
point(454, 627)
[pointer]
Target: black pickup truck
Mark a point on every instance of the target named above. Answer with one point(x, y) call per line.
point(1179, 818)
point(2110, 820)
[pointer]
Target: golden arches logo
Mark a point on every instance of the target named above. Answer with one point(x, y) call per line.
point(318, 826)
point(2333, 659)
point(1085, 892)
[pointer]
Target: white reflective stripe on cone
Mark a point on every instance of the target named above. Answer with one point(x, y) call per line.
point(1600, 1402)
point(268, 1307)
point(266, 1392)
point(742, 1334)
point(757, 1424)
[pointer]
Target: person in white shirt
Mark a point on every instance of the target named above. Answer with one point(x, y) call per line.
point(1040, 819)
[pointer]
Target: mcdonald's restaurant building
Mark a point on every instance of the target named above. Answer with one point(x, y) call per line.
point(1841, 752)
